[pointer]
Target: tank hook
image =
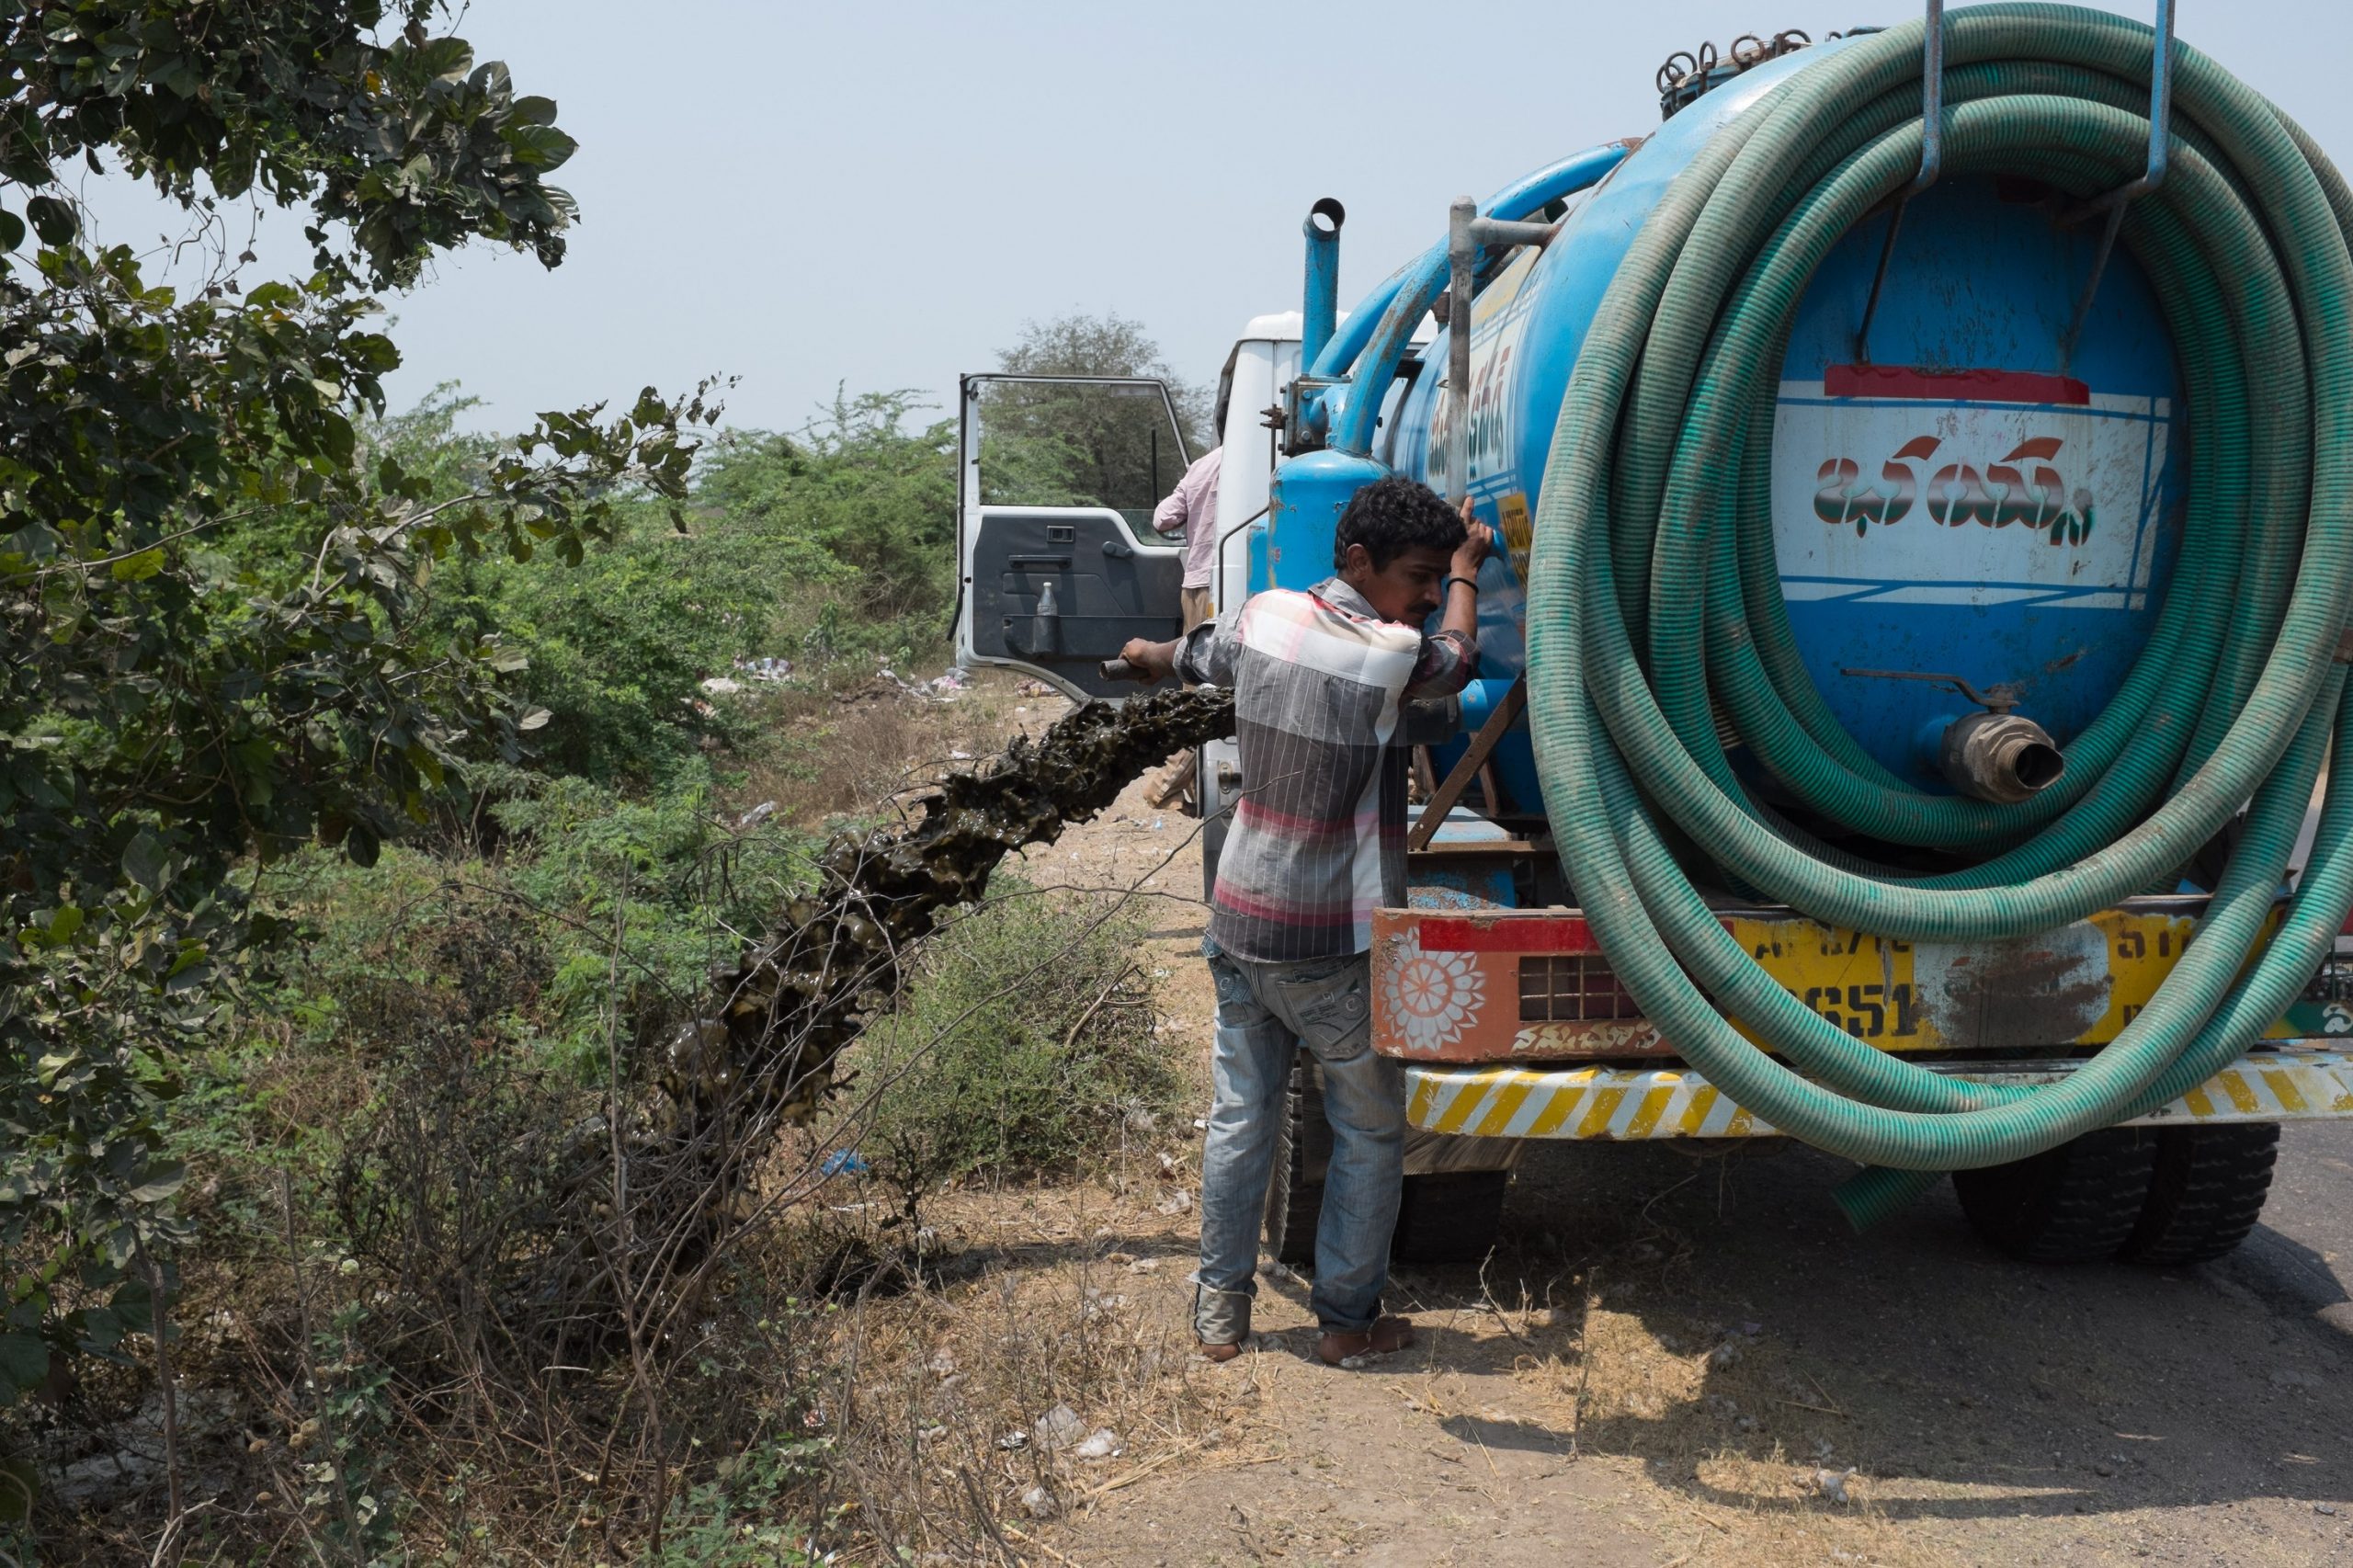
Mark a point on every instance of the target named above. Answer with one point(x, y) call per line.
point(1932, 163)
point(2114, 202)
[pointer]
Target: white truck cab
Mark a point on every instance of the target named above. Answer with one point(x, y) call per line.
point(1052, 583)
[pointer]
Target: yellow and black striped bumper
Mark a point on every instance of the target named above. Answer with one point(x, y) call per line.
point(1620, 1103)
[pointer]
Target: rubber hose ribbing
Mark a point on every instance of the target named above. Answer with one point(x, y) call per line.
point(1654, 600)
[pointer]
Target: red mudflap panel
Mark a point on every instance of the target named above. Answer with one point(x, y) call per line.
point(1503, 987)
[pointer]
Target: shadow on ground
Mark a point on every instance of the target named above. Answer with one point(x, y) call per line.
point(1715, 1318)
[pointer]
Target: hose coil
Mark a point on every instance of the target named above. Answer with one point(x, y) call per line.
point(1655, 611)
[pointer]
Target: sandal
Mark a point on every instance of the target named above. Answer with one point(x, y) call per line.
point(1384, 1337)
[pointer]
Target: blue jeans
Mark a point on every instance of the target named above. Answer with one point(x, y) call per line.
point(1265, 1012)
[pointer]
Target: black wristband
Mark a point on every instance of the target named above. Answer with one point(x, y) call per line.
point(1448, 586)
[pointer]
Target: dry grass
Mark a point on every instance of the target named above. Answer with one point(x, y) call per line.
point(837, 1386)
point(1782, 1523)
point(852, 748)
point(950, 1381)
point(1732, 1434)
point(1744, 1457)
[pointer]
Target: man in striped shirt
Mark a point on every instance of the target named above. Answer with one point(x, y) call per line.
point(1330, 687)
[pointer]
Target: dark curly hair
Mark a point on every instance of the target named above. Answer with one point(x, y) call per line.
point(1394, 515)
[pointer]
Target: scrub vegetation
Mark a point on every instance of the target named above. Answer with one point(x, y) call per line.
point(380, 795)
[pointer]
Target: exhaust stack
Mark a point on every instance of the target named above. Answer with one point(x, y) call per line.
point(1322, 312)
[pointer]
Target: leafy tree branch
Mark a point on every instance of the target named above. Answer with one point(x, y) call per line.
point(182, 695)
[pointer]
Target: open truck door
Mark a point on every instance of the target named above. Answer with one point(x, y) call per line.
point(1058, 562)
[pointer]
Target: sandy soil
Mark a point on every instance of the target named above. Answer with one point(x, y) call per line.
point(1675, 1359)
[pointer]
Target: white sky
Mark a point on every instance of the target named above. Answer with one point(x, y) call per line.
point(880, 193)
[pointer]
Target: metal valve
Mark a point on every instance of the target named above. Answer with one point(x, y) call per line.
point(1998, 755)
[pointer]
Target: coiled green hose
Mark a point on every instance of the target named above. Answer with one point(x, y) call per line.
point(1654, 599)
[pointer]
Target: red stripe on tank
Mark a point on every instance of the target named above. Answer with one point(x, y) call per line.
point(1954, 386)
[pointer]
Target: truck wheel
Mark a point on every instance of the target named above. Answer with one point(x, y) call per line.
point(1444, 1217)
point(1294, 1196)
point(2077, 1203)
point(2209, 1191)
point(1449, 1216)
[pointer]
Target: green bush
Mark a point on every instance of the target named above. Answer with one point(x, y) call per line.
point(832, 546)
point(878, 500)
point(736, 1519)
point(1025, 1042)
point(599, 906)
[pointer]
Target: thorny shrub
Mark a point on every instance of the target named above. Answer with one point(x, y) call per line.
point(997, 1062)
point(381, 1164)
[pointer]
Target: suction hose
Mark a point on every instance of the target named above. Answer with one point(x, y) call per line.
point(1655, 601)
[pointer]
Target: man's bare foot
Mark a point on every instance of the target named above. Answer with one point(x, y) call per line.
point(1217, 1352)
point(1388, 1335)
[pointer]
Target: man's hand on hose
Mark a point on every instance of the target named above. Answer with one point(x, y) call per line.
point(1155, 661)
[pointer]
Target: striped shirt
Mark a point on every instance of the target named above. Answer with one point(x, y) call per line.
point(1192, 508)
point(1325, 693)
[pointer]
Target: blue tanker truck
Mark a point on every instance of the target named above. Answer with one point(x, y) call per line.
point(1909, 689)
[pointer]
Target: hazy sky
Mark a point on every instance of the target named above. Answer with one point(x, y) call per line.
point(879, 194)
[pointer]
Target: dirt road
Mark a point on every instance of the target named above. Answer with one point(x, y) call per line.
point(1679, 1359)
point(1733, 1343)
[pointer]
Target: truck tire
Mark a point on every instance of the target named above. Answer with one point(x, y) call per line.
point(2208, 1192)
point(2077, 1203)
point(1294, 1199)
point(1443, 1217)
point(1449, 1216)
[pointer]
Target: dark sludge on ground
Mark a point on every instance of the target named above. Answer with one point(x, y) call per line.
point(795, 1000)
point(650, 1199)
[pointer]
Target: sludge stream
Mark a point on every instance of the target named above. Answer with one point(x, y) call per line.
point(795, 1000)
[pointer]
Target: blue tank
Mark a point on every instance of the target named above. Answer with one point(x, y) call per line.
point(1964, 504)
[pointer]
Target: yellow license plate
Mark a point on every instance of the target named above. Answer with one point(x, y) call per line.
point(2077, 986)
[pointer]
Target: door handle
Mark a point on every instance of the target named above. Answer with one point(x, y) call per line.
point(1051, 563)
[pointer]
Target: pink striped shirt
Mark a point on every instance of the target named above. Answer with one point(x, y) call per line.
point(1192, 506)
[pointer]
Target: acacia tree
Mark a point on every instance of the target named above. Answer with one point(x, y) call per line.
point(169, 719)
point(1081, 446)
point(1109, 345)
